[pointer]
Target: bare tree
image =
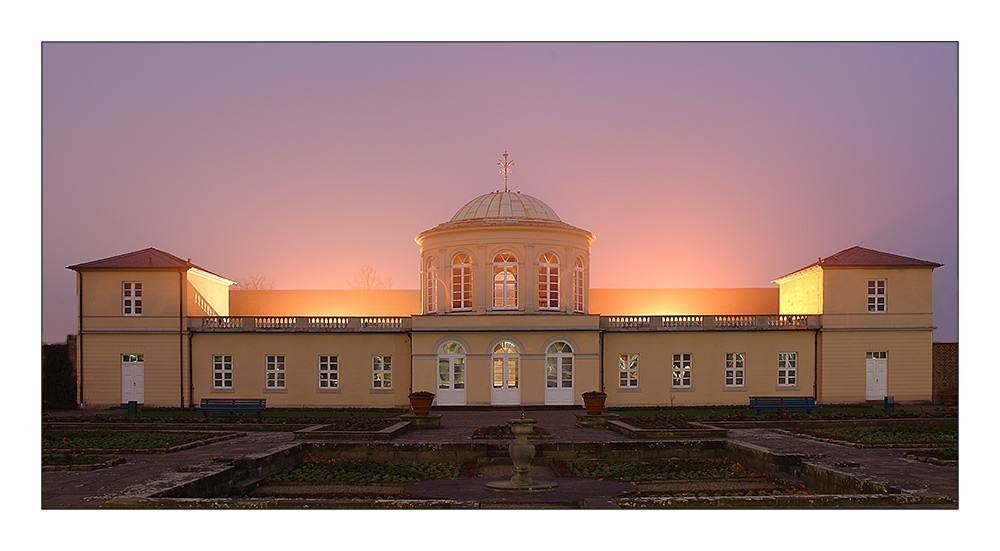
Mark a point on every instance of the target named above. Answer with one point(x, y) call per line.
point(367, 279)
point(253, 282)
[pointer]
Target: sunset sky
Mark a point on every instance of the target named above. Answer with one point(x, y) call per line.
point(695, 164)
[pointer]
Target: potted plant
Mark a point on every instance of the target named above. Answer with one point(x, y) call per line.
point(594, 401)
point(421, 401)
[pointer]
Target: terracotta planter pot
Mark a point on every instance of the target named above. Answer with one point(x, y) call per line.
point(594, 404)
point(421, 405)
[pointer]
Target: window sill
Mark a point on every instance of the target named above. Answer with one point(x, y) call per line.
point(786, 387)
point(629, 389)
point(382, 391)
point(328, 390)
point(222, 390)
point(682, 389)
point(734, 389)
point(275, 391)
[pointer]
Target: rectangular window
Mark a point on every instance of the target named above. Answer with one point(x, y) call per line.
point(682, 370)
point(735, 365)
point(628, 371)
point(131, 298)
point(876, 295)
point(274, 372)
point(328, 372)
point(787, 375)
point(381, 371)
point(578, 290)
point(222, 371)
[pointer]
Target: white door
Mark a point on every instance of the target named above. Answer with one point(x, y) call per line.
point(132, 378)
point(505, 391)
point(451, 381)
point(559, 374)
point(875, 375)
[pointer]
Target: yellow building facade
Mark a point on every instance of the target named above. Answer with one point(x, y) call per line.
point(504, 316)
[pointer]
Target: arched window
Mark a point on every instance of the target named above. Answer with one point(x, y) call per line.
point(505, 365)
point(548, 282)
point(559, 366)
point(461, 282)
point(578, 285)
point(451, 366)
point(504, 281)
point(432, 286)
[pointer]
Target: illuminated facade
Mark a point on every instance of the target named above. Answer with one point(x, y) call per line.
point(504, 316)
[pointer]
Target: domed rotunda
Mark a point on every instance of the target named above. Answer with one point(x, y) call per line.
point(505, 252)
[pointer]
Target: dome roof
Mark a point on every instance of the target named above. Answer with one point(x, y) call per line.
point(505, 204)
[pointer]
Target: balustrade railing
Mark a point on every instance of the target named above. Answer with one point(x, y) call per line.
point(683, 321)
point(295, 323)
point(628, 322)
point(735, 321)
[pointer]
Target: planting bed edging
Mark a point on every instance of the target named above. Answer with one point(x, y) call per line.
point(316, 432)
point(632, 431)
point(175, 448)
point(84, 466)
point(862, 445)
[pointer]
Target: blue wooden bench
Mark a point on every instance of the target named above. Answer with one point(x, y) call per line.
point(232, 405)
point(783, 402)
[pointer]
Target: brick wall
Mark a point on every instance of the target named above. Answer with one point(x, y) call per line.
point(945, 365)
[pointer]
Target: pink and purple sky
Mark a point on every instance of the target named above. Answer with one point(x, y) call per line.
point(695, 164)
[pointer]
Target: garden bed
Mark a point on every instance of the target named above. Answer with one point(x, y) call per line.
point(97, 441)
point(663, 470)
point(823, 412)
point(356, 429)
point(885, 435)
point(664, 428)
point(315, 470)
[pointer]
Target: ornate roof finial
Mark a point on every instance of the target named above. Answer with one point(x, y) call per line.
point(506, 164)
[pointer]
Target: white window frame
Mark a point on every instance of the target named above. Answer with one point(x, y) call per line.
point(432, 290)
point(578, 306)
point(274, 371)
point(451, 357)
point(131, 298)
point(328, 371)
point(381, 371)
point(876, 296)
point(548, 282)
point(628, 371)
point(461, 282)
point(788, 374)
point(505, 281)
point(558, 358)
point(222, 371)
point(736, 369)
point(681, 371)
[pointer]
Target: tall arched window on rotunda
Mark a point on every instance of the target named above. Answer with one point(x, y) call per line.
point(505, 281)
point(578, 285)
point(461, 282)
point(432, 286)
point(548, 282)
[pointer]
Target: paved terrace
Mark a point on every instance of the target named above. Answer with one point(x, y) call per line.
point(143, 474)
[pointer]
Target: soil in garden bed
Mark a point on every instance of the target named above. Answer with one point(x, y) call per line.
point(661, 470)
point(331, 470)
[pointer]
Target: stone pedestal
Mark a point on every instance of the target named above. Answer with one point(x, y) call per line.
point(521, 453)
